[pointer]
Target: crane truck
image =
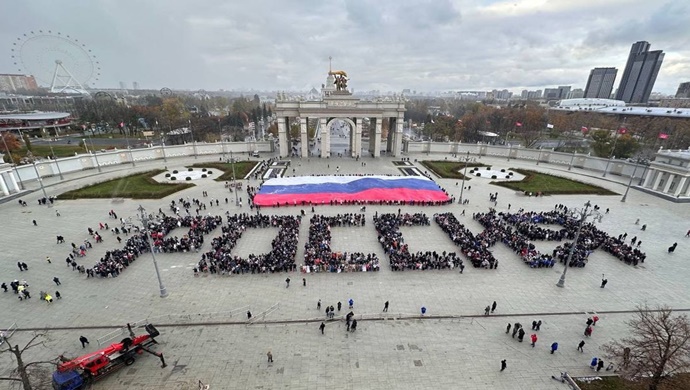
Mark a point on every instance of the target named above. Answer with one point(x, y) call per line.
point(80, 372)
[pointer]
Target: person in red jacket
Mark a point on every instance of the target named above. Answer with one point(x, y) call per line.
point(534, 339)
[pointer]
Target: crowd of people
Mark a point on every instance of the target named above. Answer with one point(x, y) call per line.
point(475, 248)
point(391, 239)
point(281, 258)
point(318, 256)
point(519, 230)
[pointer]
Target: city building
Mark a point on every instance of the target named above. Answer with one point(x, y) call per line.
point(531, 95)
point(600, 83)
point(669, 175)
point(17, 82)
point(640, 73)
point(135, 85)
point(576, 93)
point(557, 93)
point(683, 90)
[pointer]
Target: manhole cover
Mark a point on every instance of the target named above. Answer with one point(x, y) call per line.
point(418, 363)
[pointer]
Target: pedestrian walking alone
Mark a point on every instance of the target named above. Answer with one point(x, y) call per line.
point(580, 346)
point(493, 306)
point(249, 315)
point(322, 327)
point(339, 306)
point(385, 307)
point(57, 281)
point(554, 347)
point(508, 328)
point(304, 282)
point(287, 283)
point(351, 302)
point(269, 355)
point(318, 305)
point(83, 341)
point(534, 339)
point(504, 365)
point(57, 295)
point(487, 310)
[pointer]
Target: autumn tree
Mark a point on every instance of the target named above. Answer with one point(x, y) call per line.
point(605, 145)
point(174, 112)
point(31, 375)
point(658, 348)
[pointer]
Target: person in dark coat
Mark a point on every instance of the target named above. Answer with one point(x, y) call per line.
point(521, 334)
point(322, 327)
point(600, 364)
point(672, 248)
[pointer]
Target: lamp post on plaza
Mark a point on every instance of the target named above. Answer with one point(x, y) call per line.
point(40, 182)
point(464, 175)
point(193, 140)
point(21, 183)
point(625, 196)
point(50, 143)
point(145, 220)
point(232, 162)
point(611, 156)
point(93, 150)
point(583, 214)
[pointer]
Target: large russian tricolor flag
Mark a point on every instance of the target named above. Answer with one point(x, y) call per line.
point(323, 189)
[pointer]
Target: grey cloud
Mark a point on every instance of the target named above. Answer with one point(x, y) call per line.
point(418, 44)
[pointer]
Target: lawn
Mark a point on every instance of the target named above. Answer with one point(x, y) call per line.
point(449, 169)
point(137, 186)
point(551, 185)
point(242, 168)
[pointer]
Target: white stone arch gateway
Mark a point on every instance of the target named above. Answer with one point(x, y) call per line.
point(340, 104)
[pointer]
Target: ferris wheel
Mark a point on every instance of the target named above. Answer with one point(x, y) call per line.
point(56, 59)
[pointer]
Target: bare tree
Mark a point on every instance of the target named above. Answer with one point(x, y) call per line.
point(32, 375)
point(658, 349)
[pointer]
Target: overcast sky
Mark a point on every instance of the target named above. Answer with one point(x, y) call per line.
point(424, 45)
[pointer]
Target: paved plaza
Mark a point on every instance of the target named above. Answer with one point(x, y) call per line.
point(205, 334)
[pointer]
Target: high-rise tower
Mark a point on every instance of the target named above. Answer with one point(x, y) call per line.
point(640, 73)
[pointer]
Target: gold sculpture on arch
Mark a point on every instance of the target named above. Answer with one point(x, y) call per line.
point(340, 79)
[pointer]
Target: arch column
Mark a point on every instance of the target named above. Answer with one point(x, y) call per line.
point(282, 137)
point(667, 186)
point(357, 138)
point(325, 138)
point(376, 139)
point(397, 139)
point(649, 178)
point(679, 190)
point(304, 140)
point(657, 181)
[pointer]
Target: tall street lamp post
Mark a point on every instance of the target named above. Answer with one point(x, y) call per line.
point(93, 150)
point(464, 175)
point(145, 220)
point(610, 156)
point(40, 182)
point(50, 143)
point(625, 196)
point(583, 214)
point(232, 162)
